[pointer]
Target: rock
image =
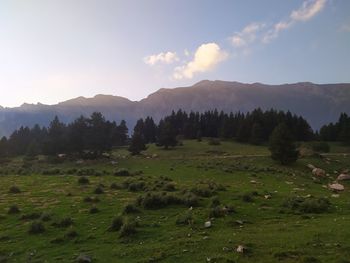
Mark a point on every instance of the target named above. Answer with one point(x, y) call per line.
point(318, 172)
point(336, 187)
point(267, 196)
point(154, 155)
point(240, 249)
point(84, 259)
point(335, 195)
point(310, 166)
point(207, 224)
point(343, 177)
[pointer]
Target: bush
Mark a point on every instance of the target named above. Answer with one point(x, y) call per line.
point(190, 199)
point(71, 234)
point(185, 218)
point(90, 199)
point(322, 147)
point(31, 216)
point(54, 171)
point(116, 224)
point(128, 229)
point(122, 172)
point(160, 200)
point(130, 209)
point(99, 190)
point(116, 186)
point(170, 187)
point(65, 222)
point(94, 210)
point(14, 190)
point(307, 205)
point(248, 197)
point(136, 186)
point(83, 180)
point(45, 217)
point(214, 202)
point(13, 209)
point(214, 141)
point(36, 228)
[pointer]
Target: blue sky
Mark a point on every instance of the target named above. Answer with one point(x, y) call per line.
point(55, 50)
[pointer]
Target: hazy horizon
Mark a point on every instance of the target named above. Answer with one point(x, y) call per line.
point(52, 51)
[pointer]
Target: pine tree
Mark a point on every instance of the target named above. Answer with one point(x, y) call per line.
point(3, 147)
point(256, 136)
point(167, 135)
point(137, 144)
point(282, 145)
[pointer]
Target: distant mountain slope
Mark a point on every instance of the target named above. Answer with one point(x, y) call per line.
point(318, 103)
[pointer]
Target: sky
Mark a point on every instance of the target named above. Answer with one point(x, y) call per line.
point(54, 50)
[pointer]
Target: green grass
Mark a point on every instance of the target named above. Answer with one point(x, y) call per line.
point(272, 233)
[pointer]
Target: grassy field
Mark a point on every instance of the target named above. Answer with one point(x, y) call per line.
point(238, 188)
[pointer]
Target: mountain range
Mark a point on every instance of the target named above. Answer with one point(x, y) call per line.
point(318, 103)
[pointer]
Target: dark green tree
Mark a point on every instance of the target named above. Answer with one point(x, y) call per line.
point(282, 145)
point(137, 144)
point(3, 147)
point(167, 135)
point(257, 134)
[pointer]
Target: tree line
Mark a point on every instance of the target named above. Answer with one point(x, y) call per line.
point(339, 131)
point(94, 134)
point(253, 127)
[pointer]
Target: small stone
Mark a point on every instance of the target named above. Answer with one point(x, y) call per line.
point(84, 259)
point(240, 249)
point(343, 177)
point(318, 172)
point(207, 224)
point(336, 187)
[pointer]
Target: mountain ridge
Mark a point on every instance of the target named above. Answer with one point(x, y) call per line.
point(318, 103)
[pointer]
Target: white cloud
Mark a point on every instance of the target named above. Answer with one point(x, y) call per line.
point(163, 57)
point(308, 10)
point(206, 57)
point(247, 35)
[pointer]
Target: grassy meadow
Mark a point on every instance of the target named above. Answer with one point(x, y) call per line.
point(153, 207)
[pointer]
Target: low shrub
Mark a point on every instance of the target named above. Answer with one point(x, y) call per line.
point(36, 227)
point(155, 200)
point(54, 171)
point(122, 172)
point(169, 187)
point(89, 199)
point(14, 190)
point(307, 205)
point(13, 209)
point(321, 147)
point(128, 228)
point(136, 186)
point(130, 209)
point(71, 234)
point(31, 216)
point(83, 180)
point(214, 141)
point(98, 190)
point(116, 186)
point(94, 210)
point(116, 224)
point(65, 222)
point(248, 197)
point(45, 217)
point(185, 218)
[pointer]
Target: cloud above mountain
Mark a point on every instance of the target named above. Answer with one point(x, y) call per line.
point(163, 57)
point(206, 57)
